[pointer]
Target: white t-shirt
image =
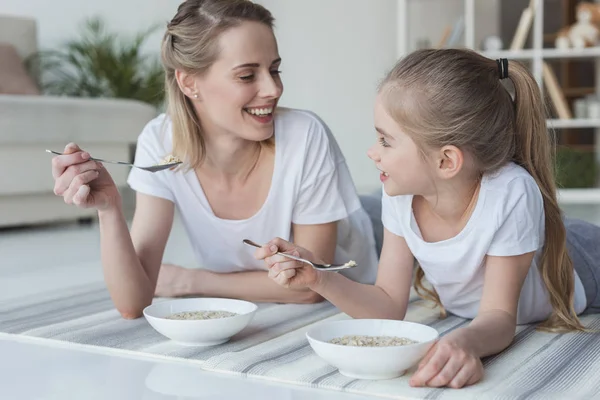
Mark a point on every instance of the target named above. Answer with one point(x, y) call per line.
point(311, 184)
point(508, 220)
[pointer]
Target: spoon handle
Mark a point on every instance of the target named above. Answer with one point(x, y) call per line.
point(251, 243)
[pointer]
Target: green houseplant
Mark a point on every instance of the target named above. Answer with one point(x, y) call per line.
point(100, 64)
point(576, 167)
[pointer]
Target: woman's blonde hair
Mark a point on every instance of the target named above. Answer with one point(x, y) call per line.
point(190, 44)
point(455, 97)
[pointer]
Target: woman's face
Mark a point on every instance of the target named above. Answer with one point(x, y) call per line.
point(239, 92)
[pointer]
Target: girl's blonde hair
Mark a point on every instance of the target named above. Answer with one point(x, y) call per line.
point(455, 97)
point(190, 44)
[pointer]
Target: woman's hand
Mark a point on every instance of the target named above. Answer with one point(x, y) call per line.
point(286, 272)
point(448, 363)
point(81, 181)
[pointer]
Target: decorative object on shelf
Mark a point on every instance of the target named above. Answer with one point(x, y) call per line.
point(555, 92)
point(585, 32)
point(445, 35)
point(587, 107)
point(576, 167)
point(101, 64)
point(593, 106)
point(580, 106)
point(523, 28)
point(457, 32)
point(492, 43)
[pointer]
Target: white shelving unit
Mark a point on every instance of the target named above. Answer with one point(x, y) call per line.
point(537, 55)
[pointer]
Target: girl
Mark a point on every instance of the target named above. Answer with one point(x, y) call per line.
point(469, 192)
point(251, 170)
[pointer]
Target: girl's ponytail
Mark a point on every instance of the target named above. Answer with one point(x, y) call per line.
point(534, 151)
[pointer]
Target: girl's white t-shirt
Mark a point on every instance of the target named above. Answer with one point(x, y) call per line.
point(508, 220)
point(311, 184)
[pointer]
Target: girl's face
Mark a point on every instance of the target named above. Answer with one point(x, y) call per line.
point(238, 94)
point(401, 163)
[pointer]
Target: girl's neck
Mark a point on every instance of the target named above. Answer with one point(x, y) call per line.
point(454, 201)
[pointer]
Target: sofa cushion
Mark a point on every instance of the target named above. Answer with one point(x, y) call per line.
point(61, 119)
point(13, 75)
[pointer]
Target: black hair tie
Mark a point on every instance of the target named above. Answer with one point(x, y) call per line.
point(502, 68)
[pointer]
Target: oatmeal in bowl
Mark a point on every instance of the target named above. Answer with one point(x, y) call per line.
point(200, 321)
point(371, 348)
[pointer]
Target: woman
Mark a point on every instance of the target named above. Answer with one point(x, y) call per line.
point(250, 170)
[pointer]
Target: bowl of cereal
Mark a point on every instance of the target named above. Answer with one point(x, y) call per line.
point(200, 321)
point(371, 348)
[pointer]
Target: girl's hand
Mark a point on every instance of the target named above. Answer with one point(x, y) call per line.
point(448, 363)
point(286, 272)
point(81, 181)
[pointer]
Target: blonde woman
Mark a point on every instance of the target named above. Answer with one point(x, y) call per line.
point(250, 169)
point(469, 192)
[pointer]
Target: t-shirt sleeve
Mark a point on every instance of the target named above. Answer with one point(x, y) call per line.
point(390, 214)
point(150, 150)
point(327, 192)
point(519, 221)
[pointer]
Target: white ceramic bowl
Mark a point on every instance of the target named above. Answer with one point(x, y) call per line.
point(207, 332)
point(371, 362)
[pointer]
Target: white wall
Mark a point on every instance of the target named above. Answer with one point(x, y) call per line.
point(334, 53)
point(59, 20)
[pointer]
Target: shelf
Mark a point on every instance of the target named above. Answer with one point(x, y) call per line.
point(574, 123)
point(579, 196)
point(529, 54)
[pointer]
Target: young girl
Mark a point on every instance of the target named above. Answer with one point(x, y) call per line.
point(251, 170)
point(469, 192)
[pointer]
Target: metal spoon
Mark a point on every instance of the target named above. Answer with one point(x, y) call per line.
point(152, 168)
point(320, 267)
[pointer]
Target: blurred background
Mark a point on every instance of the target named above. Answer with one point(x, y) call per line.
point(88, 72)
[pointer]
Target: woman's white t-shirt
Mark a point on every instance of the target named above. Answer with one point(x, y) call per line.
point(311, 184)
point(508, 220)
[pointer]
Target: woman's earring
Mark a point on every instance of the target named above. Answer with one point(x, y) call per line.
point(195, 95)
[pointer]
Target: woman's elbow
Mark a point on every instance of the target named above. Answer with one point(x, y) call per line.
point(128, 313)
point(395, 312)
point(132, 311)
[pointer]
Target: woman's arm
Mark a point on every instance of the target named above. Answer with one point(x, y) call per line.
point(131, 260)
point(255, 285)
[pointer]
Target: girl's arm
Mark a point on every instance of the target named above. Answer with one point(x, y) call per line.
point(494, 327)
point(387, 299)
point(455, 360)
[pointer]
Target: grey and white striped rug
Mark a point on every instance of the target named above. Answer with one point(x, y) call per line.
point(86, 315)
point(536, 366)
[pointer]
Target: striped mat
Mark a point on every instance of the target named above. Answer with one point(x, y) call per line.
point(86, 316)
point(536, 366)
